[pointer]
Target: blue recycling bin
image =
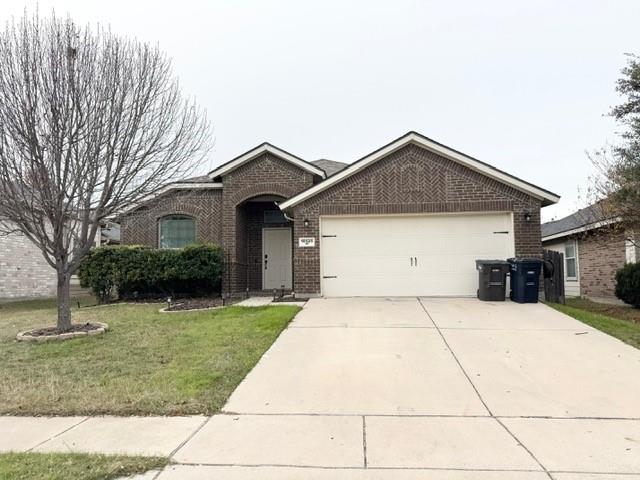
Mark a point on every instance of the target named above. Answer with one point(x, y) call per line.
point(525, 279)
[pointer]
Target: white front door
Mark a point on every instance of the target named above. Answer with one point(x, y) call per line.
point(276, 258)
point(410, 255)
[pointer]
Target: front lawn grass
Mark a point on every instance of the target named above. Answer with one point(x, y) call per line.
point(148, 363)
point(586, 311)
point(65, 466)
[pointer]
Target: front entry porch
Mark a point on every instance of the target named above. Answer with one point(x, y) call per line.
point(264, 248)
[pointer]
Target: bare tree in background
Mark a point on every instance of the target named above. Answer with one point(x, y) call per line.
point(616, 187)
point(89, 122)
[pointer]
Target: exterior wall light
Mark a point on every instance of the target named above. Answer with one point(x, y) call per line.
point(527, 216)
point(306, 222)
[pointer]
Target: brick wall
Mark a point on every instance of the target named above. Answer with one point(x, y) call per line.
point(411, 180)
point(23, 270)
point(221, 215)
point(140, 227)
point(600, 255)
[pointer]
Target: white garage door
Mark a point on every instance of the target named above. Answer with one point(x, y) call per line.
point(407, 255)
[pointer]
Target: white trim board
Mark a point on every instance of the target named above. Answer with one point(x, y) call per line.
point(261, 149)
point(584, 228)
point(546, 197)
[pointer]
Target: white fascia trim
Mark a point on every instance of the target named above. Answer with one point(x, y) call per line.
point(168, 188)
point(434, 147)
point(584, 228)
point(266, 148)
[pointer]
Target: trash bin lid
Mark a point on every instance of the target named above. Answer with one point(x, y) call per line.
point(492, 262)
point(524, 260)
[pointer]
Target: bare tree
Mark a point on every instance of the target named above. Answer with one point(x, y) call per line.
point(616, 185)
point(89, 122)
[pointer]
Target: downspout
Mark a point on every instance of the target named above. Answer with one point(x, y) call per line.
point(291, 219)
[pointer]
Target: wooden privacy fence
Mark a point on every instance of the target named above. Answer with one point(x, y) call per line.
point(553, 270)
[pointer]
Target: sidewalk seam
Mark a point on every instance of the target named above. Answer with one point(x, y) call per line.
point(189, 437)
point(58, 434)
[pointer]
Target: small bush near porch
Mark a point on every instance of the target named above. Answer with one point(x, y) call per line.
point(148, 363)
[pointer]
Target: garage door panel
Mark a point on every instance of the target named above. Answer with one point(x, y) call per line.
point(373, 255)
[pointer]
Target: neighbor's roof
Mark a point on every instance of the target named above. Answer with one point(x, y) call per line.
point(585, 219)
point(331, 167)
point(546, 197)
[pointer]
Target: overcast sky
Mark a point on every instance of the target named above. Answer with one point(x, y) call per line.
point(521, 85)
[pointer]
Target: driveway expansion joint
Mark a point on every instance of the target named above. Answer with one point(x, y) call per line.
point(464, 372)
point(364, 440)
point(478, 392)
point(330, 467)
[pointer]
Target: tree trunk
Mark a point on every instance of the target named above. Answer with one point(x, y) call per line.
point(64, 306)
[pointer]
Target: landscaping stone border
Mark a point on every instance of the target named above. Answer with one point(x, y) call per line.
point(26, 337)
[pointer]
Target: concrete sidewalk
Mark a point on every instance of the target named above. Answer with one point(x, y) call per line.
point(408, 389)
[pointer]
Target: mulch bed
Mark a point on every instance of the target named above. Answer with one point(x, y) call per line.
point(289, 299)
point(75, 328)
point(195, 303)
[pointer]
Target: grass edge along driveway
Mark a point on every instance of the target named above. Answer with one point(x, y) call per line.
point(617, 322)
point(64, 466)
point(148, 363)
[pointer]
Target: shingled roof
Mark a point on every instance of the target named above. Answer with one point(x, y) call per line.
point(584, 219)
point(330, 166)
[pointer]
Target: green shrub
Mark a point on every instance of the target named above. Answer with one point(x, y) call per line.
point(628, 284)
point(141, 272)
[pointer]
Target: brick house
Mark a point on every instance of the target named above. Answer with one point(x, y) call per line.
point(24, 272)
point(409, 218)
point(594, 248)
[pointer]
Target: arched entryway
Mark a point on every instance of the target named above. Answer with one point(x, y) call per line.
point(264, 245)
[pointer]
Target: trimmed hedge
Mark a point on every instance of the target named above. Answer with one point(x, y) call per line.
point(142, 272)
point(628, 284)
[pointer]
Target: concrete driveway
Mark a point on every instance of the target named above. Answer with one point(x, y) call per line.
point(408, 389)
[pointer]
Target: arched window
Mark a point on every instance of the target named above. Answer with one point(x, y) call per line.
point(177, 231)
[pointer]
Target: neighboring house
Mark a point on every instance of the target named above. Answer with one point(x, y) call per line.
point(594, 248)
point(408, 219)
point(109, 234)
point(24, 273)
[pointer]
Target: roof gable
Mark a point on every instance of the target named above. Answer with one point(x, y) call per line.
point(260, 150)
point(547, 197)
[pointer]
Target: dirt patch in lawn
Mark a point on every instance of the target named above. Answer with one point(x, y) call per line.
point(622, 312)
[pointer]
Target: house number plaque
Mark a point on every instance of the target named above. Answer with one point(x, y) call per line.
point(306, 242)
